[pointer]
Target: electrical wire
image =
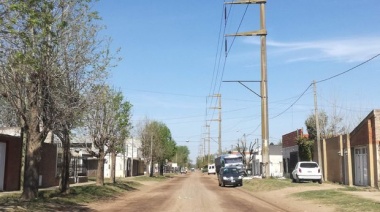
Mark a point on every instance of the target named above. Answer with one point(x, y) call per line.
point(329, 78)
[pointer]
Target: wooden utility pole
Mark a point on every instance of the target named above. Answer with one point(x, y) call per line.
point(262, 32)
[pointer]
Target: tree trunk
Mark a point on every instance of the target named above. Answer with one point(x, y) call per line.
point(151, 169)
point(64, 185)
point(113, 167)
point(161, 168)
point(24, 138)
point(33, 157)
point(100, 172)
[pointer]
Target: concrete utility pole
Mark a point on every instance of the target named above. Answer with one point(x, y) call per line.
point(262, 32)
point(208, 140)
point(219, 96)
point(317, 128)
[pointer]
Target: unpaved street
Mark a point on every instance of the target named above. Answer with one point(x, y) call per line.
point(191, 192)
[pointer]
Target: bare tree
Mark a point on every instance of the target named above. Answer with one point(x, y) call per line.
point(242, 148)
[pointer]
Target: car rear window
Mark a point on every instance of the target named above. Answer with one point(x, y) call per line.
point(308, 165)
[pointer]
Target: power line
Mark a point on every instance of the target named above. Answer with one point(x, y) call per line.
point(349, 69)
point(303, 93)
point(329, 78)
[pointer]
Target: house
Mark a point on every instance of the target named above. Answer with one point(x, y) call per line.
point(124, 165)
point(290, 150)
point(275, 161)
point(10, 163)
point(354, 159)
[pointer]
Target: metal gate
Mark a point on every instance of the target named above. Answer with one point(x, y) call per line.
point(361, 171)
point(2, 164)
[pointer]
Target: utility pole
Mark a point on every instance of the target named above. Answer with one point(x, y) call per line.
point(317, 128)
point(132, 160)
point(208, 140)
point(262, 32)
point(219, 120)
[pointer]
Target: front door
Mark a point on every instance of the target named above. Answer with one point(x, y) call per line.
point(361, 171)
point(2, 164)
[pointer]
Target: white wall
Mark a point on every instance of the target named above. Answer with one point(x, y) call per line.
point(119, 169)
point(275, 165)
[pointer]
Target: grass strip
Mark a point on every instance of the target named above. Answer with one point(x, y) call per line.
point(341, 200)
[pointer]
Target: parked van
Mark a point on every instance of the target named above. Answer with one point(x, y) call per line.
point(211, 169)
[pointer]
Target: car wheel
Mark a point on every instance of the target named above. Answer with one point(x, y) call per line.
point(241, 184)
point(293, 180)
point(297, 179)
point(320, 181)
point(219, 183)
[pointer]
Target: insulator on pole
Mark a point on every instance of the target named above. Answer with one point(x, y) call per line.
point(225, 15)
point(225, 47)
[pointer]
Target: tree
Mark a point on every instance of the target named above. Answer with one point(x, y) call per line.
point(28, 33)
point(311, 126)
point(76, 54)
point(181, 156)
point(305, 148)
point(121, 131)
point(108, 124)
point(45, 45)
point(7, 114)
point(157, 144)
point(330, 126)
point(242, 148)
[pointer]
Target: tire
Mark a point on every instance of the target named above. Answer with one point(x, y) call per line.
point(297, 179)
point(320, 181)
point(241, 184)
point(293, 180)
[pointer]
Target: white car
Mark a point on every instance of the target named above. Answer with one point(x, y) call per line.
point(307, 171)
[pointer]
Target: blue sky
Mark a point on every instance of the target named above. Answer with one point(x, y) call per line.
point(170, 64)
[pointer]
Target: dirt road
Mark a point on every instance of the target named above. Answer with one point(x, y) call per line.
point(191, 192)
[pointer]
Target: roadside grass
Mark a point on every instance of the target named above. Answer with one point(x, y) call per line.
point(52, 200)
point(272, 184)
point(343, 201)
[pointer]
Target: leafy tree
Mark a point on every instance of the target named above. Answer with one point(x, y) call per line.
point(121, 131)
point(311, 126)
point(45, 46)
point(305, 148)
point(157, 144)
point(181, 156)
point(108, 124)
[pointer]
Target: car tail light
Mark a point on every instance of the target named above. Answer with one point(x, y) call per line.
point(319, 170)
point(299, 170)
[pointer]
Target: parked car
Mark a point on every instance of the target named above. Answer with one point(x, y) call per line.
point(307, 171)
point(211, 169)
point(230, 176)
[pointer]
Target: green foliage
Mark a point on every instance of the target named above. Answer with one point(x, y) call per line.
point(305, 149)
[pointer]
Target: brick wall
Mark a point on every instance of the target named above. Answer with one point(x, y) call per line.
point(12, 162)
point(48, 165)
point(289, 139)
